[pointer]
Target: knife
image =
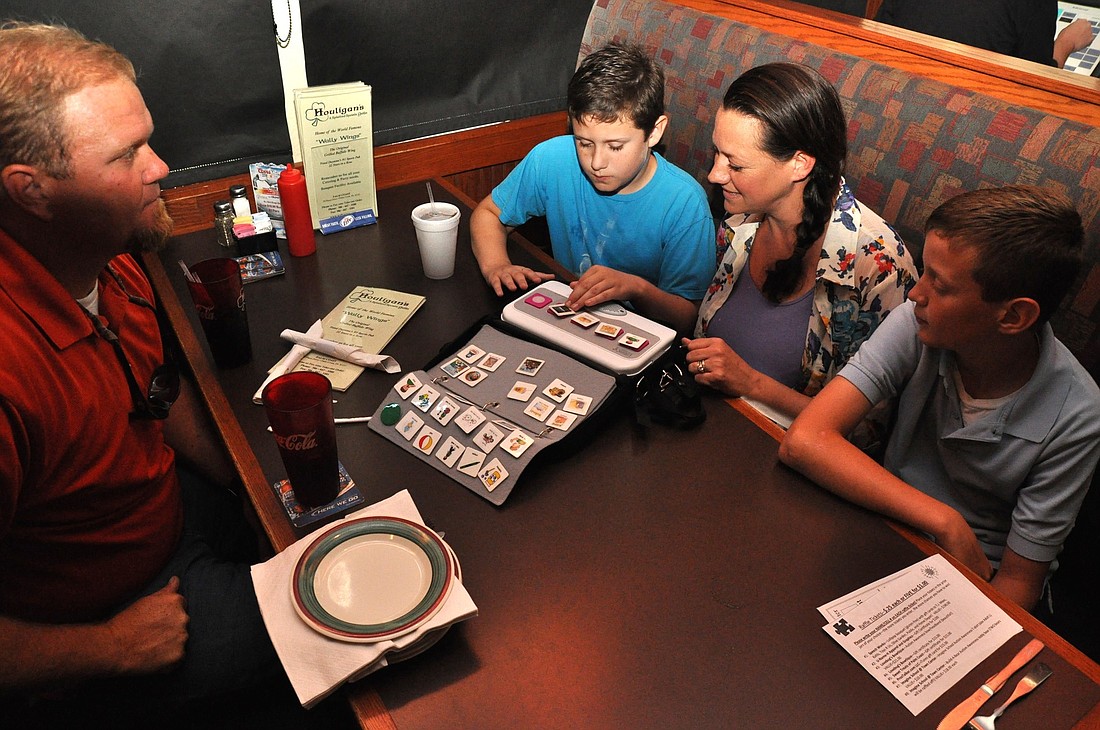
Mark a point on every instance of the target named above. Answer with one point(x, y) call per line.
point(957, 718)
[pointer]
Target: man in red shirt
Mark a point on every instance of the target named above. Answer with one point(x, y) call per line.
point(107, 588)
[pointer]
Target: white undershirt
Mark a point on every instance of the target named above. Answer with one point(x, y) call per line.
point(975, 409)
point(91, 301)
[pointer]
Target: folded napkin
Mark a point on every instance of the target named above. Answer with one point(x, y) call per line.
point(316, 664)
point(287, 362)
point(347, 353)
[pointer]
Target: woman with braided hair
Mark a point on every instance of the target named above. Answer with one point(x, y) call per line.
point(807, 272)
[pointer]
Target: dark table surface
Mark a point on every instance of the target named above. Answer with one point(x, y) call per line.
point(641, 578)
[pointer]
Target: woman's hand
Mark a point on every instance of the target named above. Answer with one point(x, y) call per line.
point(716, 365)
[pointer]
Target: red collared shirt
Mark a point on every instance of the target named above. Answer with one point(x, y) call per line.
point(89, 501)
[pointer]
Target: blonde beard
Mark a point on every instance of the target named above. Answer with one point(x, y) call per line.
point(152, 239)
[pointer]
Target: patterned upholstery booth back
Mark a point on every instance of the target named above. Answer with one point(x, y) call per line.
point(913, 142)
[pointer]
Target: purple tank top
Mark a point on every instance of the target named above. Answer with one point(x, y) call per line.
point(770, 337)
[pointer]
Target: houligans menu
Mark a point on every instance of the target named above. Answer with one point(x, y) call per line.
point(334, 128)
point(367, 318)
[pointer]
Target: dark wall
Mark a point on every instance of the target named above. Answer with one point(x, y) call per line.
point(210, 71)
point(436, 66)
point(851, 7)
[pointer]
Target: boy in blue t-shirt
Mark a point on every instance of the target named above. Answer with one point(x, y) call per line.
point(998, 426)
point(631, 225)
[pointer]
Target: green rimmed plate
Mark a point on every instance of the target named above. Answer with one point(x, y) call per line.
point(371, 579)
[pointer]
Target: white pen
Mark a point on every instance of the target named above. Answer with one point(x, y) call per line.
point(354, 419)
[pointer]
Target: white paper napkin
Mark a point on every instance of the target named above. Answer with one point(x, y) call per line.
point(316, 664)
point(287, 362)
point(347, 353)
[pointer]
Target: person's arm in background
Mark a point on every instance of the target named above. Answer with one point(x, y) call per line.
point(191, 434)
point(1071, 39)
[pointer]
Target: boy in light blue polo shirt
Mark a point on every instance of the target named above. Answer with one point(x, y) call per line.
point(631, 225)
point(998, 428)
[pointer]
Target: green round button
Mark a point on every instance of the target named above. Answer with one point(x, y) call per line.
point(391, 413)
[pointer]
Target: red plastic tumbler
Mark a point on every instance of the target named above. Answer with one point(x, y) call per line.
point(299, 409)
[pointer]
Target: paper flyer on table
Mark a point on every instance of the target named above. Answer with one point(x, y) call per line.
point(367, 318)
point(340, 373)
point(920, 630)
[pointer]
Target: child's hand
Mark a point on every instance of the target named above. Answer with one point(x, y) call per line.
point(600, 284)
point(962, 544)
point(513, 277)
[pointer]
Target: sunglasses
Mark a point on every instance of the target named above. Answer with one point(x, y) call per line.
point(154, 402)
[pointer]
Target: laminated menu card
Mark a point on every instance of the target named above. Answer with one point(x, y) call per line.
point(367, 318)
point(334, 128)
point(485, 411)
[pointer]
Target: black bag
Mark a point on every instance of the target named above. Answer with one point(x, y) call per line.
point(667, 394)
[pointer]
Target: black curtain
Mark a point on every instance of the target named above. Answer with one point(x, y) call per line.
point(436, 66)
point(210, 71)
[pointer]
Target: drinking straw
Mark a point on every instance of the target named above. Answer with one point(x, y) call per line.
point(188, 274)
point(431, 198)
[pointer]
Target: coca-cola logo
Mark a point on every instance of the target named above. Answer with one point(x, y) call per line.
point(209, 311)
point(297, 441)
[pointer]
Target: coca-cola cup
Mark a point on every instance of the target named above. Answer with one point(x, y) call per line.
point(299, 409)
point(215, 286)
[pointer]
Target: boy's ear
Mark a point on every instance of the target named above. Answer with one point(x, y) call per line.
point(657, 132)
point(1018, 316)
point(23, 186)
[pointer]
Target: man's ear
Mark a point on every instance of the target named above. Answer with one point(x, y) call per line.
point(23, 184)
point(1018, 316)
point(657, 132)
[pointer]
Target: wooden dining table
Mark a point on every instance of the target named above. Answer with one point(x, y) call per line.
point(638, 576)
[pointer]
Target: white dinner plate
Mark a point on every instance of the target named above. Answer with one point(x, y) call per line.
point(372, 579)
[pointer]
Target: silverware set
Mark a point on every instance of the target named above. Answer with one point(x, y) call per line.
point(1031, 680)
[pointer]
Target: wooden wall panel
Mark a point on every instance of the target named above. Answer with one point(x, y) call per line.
point(476, 158)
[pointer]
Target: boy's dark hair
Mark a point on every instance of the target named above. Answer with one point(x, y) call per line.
point(1028, 242)
point(798, 110)
point(619, 81)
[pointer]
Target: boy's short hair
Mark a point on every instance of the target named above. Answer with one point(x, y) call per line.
point(1028, 242)
point(619, 81)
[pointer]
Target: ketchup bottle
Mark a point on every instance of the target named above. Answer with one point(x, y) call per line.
point(296, 215)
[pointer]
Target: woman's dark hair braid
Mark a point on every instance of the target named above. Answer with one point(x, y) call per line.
point(799, 111)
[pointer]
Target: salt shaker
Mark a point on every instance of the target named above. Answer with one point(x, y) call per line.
point(223, 222)
point(239, 197)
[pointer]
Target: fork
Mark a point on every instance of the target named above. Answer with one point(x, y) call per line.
point(1030, 681)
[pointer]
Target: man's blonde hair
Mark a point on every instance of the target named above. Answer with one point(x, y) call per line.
point(40, 67)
